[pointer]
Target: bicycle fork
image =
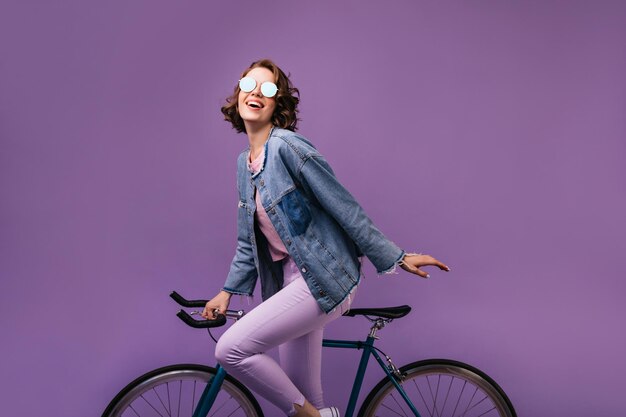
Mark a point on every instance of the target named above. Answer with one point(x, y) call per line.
point(210, 393)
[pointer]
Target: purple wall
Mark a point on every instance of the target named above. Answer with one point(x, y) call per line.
point(488, 134)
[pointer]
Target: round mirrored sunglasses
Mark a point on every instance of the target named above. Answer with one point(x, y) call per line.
point(268, 88)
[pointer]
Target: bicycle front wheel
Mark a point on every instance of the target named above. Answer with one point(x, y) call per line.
point(175, 390)
point(441, 388)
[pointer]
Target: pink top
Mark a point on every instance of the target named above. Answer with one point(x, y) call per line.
point(276, 246)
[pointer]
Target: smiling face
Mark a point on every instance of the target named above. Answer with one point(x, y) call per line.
point(281, 110)
point(254, 108)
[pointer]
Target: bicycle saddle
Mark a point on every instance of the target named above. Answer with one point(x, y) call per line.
point(384, 312)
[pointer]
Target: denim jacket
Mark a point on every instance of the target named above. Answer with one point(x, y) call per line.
point(322, 226)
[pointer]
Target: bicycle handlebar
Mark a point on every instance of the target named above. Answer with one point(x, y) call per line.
point(187, 303)
point(202, 324)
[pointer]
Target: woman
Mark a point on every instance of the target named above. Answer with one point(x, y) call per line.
point(303, 234)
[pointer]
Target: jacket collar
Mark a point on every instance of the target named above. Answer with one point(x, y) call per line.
point(264, 155)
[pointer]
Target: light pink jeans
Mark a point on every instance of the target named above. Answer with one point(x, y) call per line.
point(292, 320)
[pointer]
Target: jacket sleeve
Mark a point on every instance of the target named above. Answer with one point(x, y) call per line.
point(243, 273)
point(318, 178)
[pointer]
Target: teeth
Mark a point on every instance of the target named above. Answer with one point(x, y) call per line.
point(254, 104)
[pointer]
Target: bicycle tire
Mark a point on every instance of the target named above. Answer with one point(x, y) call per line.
point(175, 390)
point(439, 388)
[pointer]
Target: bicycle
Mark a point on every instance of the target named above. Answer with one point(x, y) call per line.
point(433, 387)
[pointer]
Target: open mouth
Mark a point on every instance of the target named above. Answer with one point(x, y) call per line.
point(255, 105)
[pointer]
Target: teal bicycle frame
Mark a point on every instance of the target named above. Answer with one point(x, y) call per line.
point(210, 392)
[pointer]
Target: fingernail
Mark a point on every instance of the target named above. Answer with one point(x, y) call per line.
point(427, 275)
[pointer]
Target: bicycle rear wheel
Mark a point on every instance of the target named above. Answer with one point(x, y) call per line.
point(174, 391)
point(439, 388)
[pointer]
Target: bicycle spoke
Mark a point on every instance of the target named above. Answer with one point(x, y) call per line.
point(437, 396)
point(193, 396)
point(221, 406)
point(431, 396)
point(131, 407)
point(162, 403)
point(470, 402)
point(150, 404)
point(475, 405)
point(423, 399)
point(491, 409)
point(459, 399)
point(234, 411)
point(398, 404)
point(216, 410)
point(430, 389)
point(445, 401)
point(393, 411)
point(169, 403)
point(180, 391)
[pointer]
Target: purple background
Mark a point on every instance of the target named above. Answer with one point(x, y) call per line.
point(488, 134)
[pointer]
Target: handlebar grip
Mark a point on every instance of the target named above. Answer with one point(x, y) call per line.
point(201, 324)
point(187, 303)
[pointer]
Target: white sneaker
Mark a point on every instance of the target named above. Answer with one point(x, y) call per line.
point(329, 412)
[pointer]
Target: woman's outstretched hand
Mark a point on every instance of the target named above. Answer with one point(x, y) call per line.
point(412, 263)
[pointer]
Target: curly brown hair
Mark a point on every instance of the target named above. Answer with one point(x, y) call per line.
point(285, 114)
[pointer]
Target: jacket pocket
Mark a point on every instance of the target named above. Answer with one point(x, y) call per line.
point(298, 214)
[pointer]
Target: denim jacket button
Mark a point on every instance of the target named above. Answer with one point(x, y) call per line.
point(322, 292)
point(261, 181)
point(273, 211)
point(289, 241)
point(303, 269)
